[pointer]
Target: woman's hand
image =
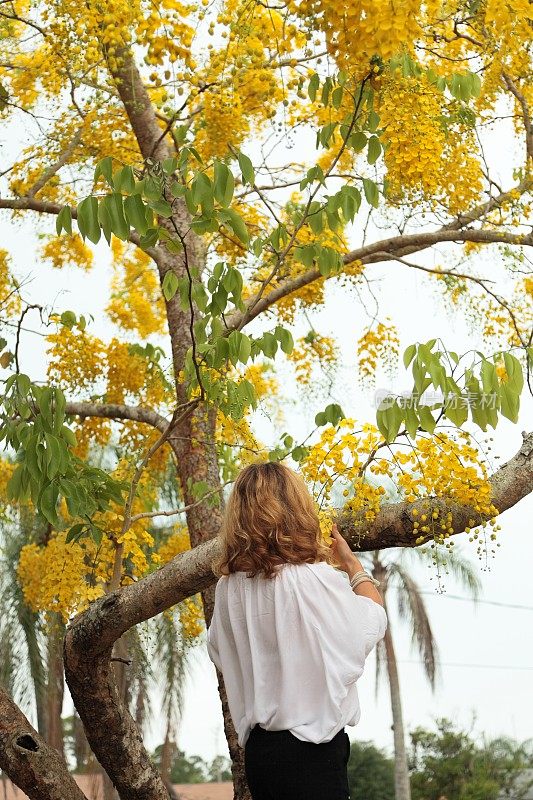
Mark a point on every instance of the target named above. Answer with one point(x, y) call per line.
point(342, 553)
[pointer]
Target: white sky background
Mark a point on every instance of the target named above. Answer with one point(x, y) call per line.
point(493, 645)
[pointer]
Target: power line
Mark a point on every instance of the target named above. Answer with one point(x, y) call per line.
point(486, 602)
point(471, 600)
point(475, 666)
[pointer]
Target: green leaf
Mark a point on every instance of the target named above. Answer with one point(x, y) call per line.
point(124, 180)
point(374, 149)
point(268, 344)
point(69, 436)
point(409, 354)
point(456, 410)
point(53, 453)
point(411, 420)
point(170, 284)
point(64, 220)
point(334, 413)
point(357, 141)
point(395, 416)
point(47, 503)
point(161, 207)
point(513, 368)
point(236, 223)
point(373, 121)
point(382, 422)
point(312, 89)
point(13, 488)
point(104, 218)
point(247, 170)
point(75, 532)
point(336, 97)
point(23, 384)
point(88, 219)
point(427, 422)
point(285, 339)
point(224, 184)
point(136, 213)
point(68, 319)
point(201, 188)
point(371, 192)
point(150, 238)
point(509, 402)
point(105, 168)
point(114, 205)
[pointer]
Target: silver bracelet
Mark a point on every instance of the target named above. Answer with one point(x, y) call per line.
point(361, 576)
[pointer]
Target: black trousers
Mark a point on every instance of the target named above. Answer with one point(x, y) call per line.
point(281, 767)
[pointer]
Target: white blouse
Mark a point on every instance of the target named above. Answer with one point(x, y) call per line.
point(291, 649)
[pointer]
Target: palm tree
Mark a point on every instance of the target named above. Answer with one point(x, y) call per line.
point(391, 569)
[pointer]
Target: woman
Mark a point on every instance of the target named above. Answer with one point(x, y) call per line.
point(290, 634)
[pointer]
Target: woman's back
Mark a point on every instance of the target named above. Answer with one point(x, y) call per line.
point(292, 647)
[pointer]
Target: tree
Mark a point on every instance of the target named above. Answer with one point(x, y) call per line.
point(144, 145)
point(183, 769)
point(412, 609)
point(370, 773)
point(449, 763)
point(219, 769)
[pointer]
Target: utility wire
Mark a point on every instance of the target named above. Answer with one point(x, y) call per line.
point(471, 600)
point(476, 666)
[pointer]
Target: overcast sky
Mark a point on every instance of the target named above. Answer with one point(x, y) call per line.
point(486, 652)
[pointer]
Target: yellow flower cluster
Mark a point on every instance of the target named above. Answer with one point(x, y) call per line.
point(340, 455)
point(450, 469)
point(10, 304)
point(129, 375)
point(76, 359)
point(67, 250)
point(61, 577)
point(247, 87)
point(311, 351)
point(91, 432)
point(191, 610)
point(379, 345)
point(436, 468)
point(136, 302)
point(361, 29)
point(424, 163)
point(6, 471)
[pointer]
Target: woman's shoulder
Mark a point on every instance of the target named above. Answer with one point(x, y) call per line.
point(316, 570)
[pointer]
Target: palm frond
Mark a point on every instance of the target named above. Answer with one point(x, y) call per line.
point(170, 652)
point(461, 569)
point(411, 608)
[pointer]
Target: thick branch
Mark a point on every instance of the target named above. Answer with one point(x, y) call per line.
point(393, 526)
point(116, 411)
point(402, 245)
point(48, 207)
point(190, 572)
point(29, 761)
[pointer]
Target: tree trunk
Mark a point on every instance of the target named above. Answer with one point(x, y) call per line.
point(28, 621)
point(29, 761)
point(197, 461)
point(402, 785)
point(55, 685)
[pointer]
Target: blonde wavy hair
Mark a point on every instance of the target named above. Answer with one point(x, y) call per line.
point(270, 519)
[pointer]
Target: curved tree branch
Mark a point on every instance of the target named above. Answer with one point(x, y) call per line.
point(117, 411)
point(401, 245)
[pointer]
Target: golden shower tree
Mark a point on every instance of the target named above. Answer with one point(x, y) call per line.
point(145, 123)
